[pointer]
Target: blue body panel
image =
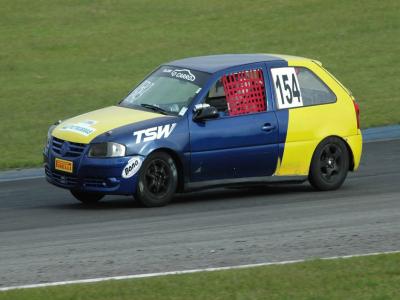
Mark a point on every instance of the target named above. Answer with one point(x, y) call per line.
point(91, 174)
point(108, 171)
point(224, 148)
point(282, 115)
point(233, 147)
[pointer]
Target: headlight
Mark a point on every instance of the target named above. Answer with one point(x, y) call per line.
point(107, 150)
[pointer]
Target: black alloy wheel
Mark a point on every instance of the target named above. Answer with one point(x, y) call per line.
point(158, 180)
point(329, 165)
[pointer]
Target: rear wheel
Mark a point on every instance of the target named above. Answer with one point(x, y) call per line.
point(158, 180)
point(87, 198)
point(329, 165)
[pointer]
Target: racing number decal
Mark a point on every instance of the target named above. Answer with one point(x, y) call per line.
point(287, 89)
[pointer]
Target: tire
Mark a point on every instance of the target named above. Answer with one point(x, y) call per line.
point(87, 198)
point(329, 165)
point(158, 180)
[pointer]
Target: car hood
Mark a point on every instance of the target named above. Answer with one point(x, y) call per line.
point(84, 128)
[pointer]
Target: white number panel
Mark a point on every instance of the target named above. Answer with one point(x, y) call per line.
point(287, 89)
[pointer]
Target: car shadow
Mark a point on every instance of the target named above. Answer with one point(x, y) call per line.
point(209, 196)
point(242, 192)
point(110, 202)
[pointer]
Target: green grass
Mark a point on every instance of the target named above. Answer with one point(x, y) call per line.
point(62, 58)
point(372, 277)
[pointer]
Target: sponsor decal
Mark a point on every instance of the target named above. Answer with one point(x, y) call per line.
point(141, 90)
point(132, 167)
point(83, 128)
point(183, 74)
point(183, 111)
point(63, 165)
point(154, 133)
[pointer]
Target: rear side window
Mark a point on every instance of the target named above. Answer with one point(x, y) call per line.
point(313, 90)
point(239, 93)
point(298, 86)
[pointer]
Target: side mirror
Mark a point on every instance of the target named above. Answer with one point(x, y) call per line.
point(205, 111)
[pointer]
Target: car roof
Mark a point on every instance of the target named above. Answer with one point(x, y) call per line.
point(215, 63)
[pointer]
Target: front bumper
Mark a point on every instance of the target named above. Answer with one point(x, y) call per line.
point(98, 175)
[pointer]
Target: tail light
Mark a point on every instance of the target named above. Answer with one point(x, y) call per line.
point(357, 109)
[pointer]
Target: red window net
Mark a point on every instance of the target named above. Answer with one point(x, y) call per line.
point(245, 92)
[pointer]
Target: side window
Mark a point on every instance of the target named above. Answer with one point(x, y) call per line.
point(313, 90)
point(298, 86)
point(216, 97)
point(238, 93)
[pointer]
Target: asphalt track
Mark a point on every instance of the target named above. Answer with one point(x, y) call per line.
point(46, 236)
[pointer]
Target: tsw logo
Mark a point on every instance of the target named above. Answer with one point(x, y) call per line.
point(154, 133)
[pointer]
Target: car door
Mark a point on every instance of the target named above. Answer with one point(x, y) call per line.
point(242, 141)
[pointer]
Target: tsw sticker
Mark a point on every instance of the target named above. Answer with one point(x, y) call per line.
point(132, 167)
point(83, 128)
point(287, 88)
point(154, 133)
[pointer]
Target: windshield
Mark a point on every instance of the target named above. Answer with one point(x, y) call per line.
point(167, 90)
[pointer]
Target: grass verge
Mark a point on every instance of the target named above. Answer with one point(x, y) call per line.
point(369, 277)
point(63, 58)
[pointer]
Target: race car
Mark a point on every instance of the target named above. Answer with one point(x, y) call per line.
point(210, 121)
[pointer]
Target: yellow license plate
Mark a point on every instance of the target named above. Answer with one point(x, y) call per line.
point(64, 165)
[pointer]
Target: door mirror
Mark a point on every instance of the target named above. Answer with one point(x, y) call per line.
point(204, 112)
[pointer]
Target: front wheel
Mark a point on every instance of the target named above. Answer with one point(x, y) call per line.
point(87, 198)
point(158, 180)
point(329, 165)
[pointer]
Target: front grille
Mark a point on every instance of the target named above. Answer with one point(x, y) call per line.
point(74, 150)
point(62, 179)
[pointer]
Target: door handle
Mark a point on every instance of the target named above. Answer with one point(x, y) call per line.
point(268, 127)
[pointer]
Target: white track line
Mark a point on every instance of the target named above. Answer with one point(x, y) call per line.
point(92, 280)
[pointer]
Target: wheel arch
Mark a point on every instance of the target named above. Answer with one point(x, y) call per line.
point(349, 150)
point(179, 165)
point(351, 154)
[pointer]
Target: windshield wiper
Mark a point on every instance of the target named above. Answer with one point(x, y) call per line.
point(155, 108)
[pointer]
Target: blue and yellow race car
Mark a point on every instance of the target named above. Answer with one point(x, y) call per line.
point(211, 121)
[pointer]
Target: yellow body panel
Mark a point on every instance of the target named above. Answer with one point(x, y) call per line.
point(355, 144)
point(309, 125)
point(84, 128)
